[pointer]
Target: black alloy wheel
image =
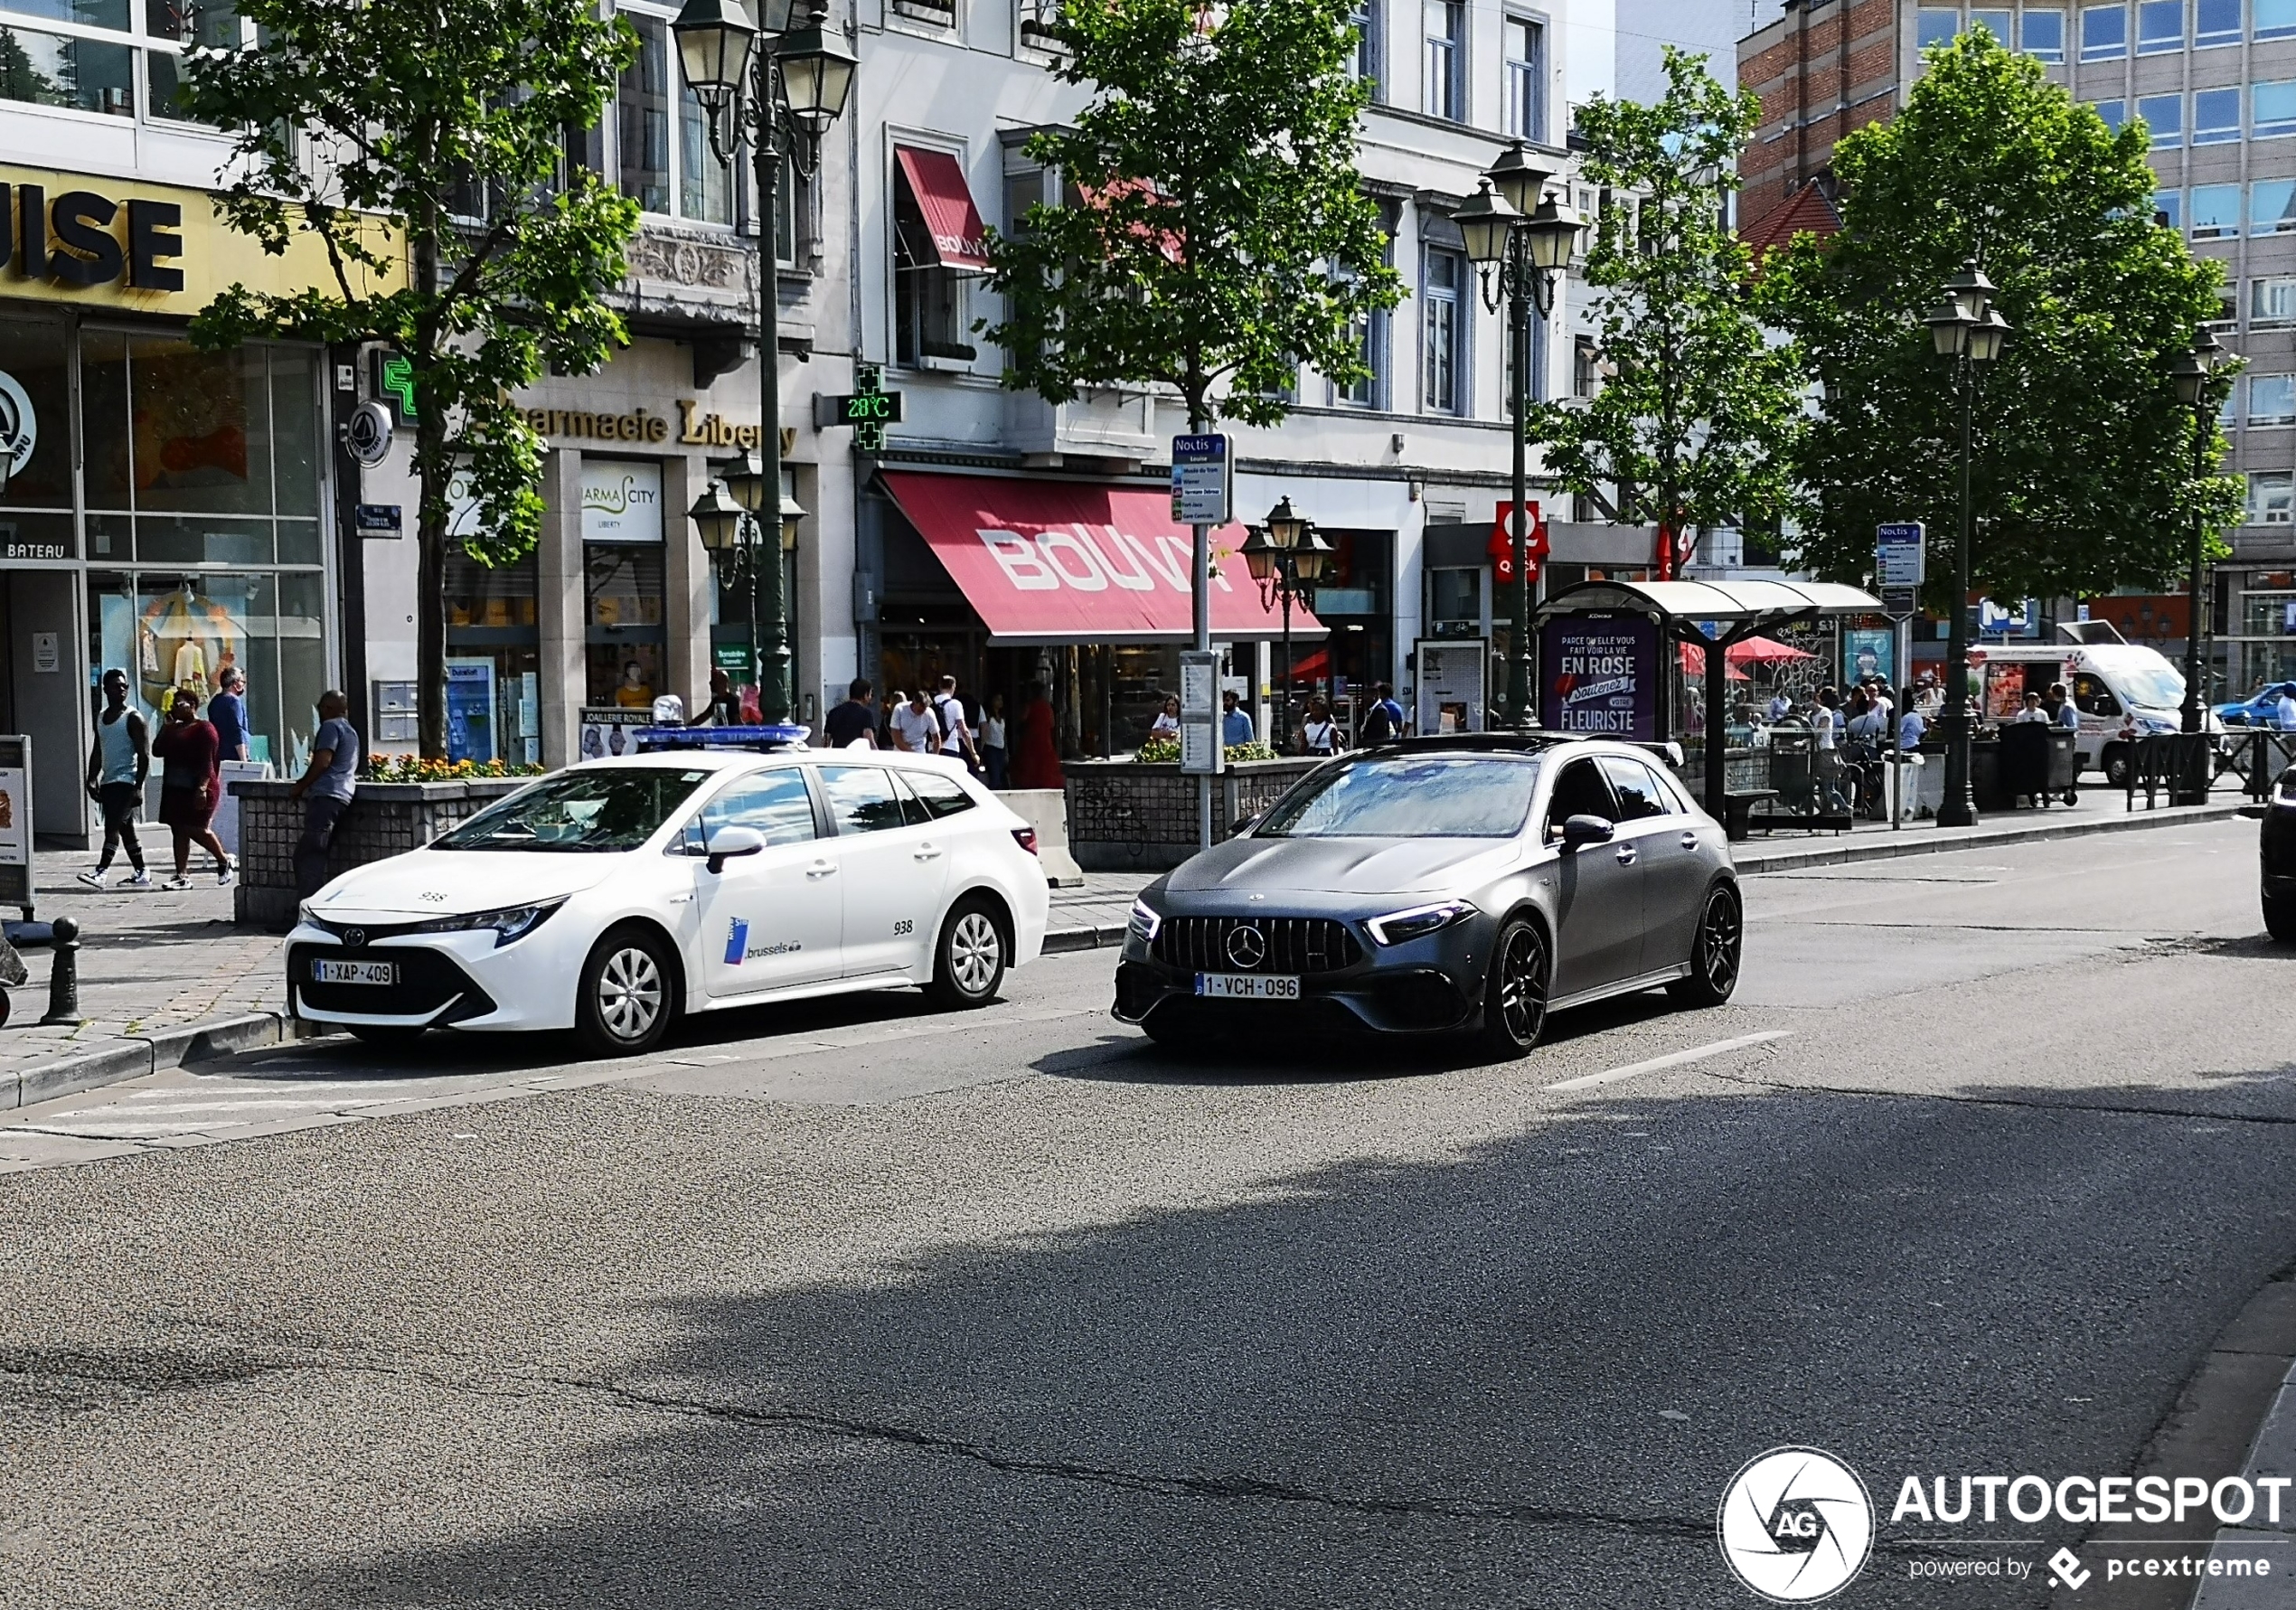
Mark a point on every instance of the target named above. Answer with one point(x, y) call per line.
point(1514, 1007)
point(1716, 952)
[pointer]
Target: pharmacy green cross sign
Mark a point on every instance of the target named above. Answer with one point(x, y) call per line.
point(868, 408)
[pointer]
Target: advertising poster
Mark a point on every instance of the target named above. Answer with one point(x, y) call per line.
point(1869, 651)
point(608, 730)
point(1599, 675)
point(470, 709)
point(621, 500)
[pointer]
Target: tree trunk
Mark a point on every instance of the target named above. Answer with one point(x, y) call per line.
point(434, 471)
point(430, 637)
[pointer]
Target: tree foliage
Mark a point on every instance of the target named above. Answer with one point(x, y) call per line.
point(1694, 422)
point(1217, 234)
point(2085, 464)
point(431, 134)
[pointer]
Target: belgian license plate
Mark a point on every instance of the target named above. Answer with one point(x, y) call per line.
point(323, 972)
point(1248, 986)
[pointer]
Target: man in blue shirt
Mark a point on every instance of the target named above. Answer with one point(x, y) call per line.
point(326, 789)
point(1235, 721)
point(1383, 723)
point(227, 713)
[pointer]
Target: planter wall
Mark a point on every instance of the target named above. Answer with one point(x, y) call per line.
point(1124, 816)
point(385, 819)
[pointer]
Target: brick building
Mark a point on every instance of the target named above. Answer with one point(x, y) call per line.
point(1822, 69)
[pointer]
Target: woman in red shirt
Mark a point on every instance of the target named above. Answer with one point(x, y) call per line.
point(192, 785)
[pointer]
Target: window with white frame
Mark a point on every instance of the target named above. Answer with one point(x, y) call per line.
point(2272, 497)
point(661, 136)
point(2271, 398)
point(2228, 406)
point(2167, 208)
point(2228, 307)
point(1444, 94)
point(1526, 79)
point(91, 55)
point(2164, 116)
point(2041, 34)
point(2160, 26)
point(2272, 302)
point(2114, 112)
point(2216, 116)
point(1995, 23)
point(1443, 337)
point(2104, 32)
point(2272, 109)
point(1368, 19)
point(2275, 19)
point(2215, 22)
point(932, 301)
point(2272, 207)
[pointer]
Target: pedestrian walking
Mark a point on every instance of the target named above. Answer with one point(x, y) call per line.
point(722, 708)
point(190, 785)
point(993, 754)
point(1235, 721)
point(325, 788)
point(118, 762)
point(851, 722)
point(227, 713)
point(956, 733)
point(1383, 723)
point(1036, 758)
point(2284, 711)
point(915, 729)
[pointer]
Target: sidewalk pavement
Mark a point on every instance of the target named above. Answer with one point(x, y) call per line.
point(166, 978)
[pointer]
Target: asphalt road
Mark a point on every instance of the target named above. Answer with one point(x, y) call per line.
point(855, 1305)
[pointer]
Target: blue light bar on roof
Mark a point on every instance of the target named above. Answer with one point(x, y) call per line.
point(786, 735)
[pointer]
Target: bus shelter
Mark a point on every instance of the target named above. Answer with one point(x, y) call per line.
point(1610, 665)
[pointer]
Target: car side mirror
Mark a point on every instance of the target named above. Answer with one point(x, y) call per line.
point(1579, 831)
point(727, 843)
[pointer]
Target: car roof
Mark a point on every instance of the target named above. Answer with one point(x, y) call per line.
point(1518, 743)
point(744, 759)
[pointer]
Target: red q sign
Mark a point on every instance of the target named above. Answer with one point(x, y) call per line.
point(1502, 544)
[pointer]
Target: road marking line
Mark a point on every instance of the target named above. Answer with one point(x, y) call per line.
point(1674, 1059)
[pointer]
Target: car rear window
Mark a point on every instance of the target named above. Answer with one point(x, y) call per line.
point(1408, 796)
point(942, 796)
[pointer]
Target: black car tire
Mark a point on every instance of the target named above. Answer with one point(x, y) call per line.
point(969, 958)
point(1716, 952)
point(1514, 1001)
point(394, 1036)
point(2280, 918)
point(627, 994)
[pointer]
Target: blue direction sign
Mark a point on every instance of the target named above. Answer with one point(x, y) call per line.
point(1200, 480)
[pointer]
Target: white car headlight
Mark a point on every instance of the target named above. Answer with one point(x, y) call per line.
point(1418, 922)
point(509, 922)
point(1144, 922)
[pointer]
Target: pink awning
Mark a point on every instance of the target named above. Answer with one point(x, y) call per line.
point(959, 240)
point(1073, 561)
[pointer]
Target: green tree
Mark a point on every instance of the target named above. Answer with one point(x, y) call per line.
point(2084, 469)
point(1695, 422)
point(432, 135)
point(1219, 235)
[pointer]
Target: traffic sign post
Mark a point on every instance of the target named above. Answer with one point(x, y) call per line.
point(1202, 497)
point(1202, 488)
point(1901, 554)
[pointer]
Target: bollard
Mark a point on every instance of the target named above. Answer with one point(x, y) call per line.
point(64, 975)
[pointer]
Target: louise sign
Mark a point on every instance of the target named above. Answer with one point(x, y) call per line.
point(1599, 676)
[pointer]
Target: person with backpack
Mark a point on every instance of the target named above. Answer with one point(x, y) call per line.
point(1383, 723)
point(956, 733)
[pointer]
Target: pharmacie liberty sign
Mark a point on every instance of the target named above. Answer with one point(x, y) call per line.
point(690, 427)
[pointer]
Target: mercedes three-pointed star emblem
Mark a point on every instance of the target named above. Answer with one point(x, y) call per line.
point(1247, 945)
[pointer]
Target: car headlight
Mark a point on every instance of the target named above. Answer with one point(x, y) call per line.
point(1145, 922)
point(1418, 922)
point(303, 913)
point(509, 922)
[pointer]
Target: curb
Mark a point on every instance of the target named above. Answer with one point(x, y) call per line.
point(142, 1054)
point(1929, 841)
point(1064, 941)
point(2213, 1430)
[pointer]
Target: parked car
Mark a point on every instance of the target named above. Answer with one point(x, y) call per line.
point(2276, 852)
point(613, 896)
point(2260, 709)
point(1438, 886)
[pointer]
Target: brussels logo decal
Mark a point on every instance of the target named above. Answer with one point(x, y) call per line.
point(1795, 1525)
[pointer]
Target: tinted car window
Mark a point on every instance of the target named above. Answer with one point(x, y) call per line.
point(1639, 793)
point(1579, 791)
point(777, 804)
point(590, 808)
point(942, 796)
point(913, 810)
point(862, 798)
point(1422, 796)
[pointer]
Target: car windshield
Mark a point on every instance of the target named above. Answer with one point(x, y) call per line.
point(1421, 796)
point(589, 809)
point(2155, 687)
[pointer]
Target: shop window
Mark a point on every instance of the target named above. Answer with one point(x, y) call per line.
point(1526, 79)
point(1934, 26)
point(2160, 27)
point(2216, 116)
point(626, 636)
point(2041, 34)
point(2104, 32)
point(1446, 90)
point(35, 419)
point(1454, 602)
point(2215, 22)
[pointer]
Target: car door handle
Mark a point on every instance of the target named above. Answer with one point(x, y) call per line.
point(821, 869)
point(1690, 841)
point(927, 853)
point(1626, 855)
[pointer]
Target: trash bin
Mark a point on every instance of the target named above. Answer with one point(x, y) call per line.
point(1792, 772)
point(2025, 762)
point(2065, 764)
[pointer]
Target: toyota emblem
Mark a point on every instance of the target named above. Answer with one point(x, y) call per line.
point(356, 938)
point(1247, 945)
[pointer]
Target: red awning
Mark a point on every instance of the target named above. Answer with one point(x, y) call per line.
point(958, 241)
point(1070, 561)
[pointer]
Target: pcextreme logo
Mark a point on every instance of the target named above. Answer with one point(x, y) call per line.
point(1795, 1525)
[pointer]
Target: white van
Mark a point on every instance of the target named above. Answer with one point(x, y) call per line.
point(2124, 690)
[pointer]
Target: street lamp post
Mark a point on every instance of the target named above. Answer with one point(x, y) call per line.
point(1968, 330)
point(1286, 558)
point(2195, 372)
point(780, 88)
point(1519, 239)
point(732, 529)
